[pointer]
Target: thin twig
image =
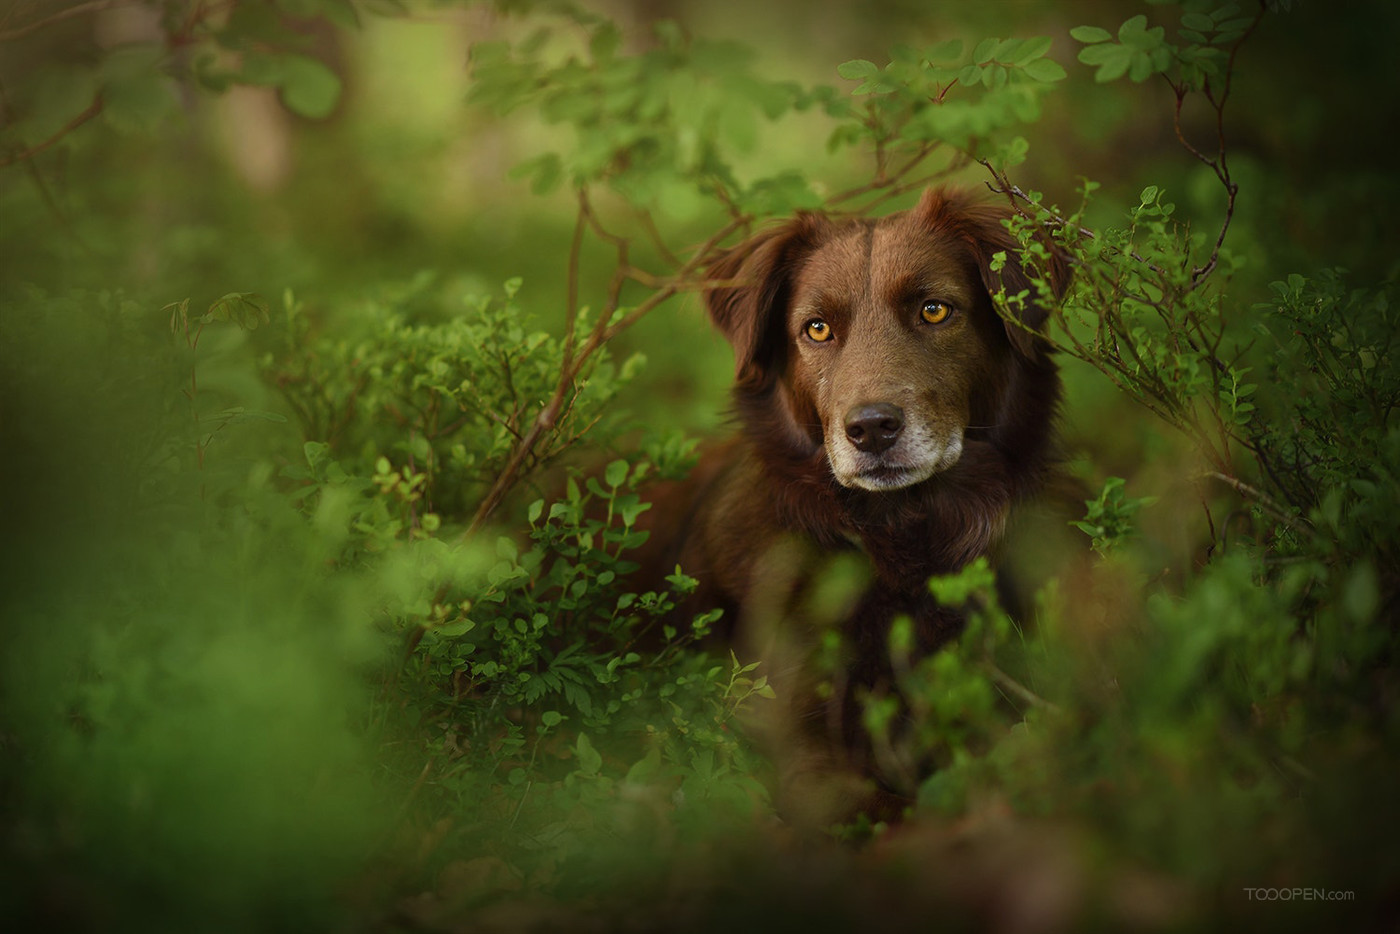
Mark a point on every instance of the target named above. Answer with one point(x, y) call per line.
point(93, 7)
point(880, 182)
point(1265, 501)
point(649, 226)
point(93, 110)
point(555, 409)
point(1014, 193)
point(1219, 164)
point(1019, 689)
point(894, 190)
point(571, 298)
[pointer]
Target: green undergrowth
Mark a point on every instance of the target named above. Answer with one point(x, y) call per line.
point(318, 608)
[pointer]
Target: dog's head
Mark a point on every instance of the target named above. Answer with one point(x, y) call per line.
point(878, 339)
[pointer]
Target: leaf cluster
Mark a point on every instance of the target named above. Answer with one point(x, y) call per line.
point(136, 87)
point(447, 399)
point(1110, 516)
point(1139, 51)
point(941, 95)
point(663, 127)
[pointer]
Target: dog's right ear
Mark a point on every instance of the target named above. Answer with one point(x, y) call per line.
point(749, 311)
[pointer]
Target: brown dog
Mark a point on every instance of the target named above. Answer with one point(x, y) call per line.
point(890, 420)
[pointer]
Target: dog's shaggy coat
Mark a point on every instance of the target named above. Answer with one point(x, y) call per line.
point(890, 419)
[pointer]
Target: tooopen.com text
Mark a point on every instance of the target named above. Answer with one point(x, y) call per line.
point(1299, 894)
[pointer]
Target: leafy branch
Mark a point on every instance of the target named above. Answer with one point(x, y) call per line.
point(1138, 310)
point(611, 321)
point(24, 155)
point(132, 86)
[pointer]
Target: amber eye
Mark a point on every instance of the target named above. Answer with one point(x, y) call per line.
point(936, 312)
point(818, 330)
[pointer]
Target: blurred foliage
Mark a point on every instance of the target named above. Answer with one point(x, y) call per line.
point(317, 609)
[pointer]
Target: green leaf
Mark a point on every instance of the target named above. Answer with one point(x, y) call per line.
point(456, 628)
point(246, 309)
point(632, 511)
point(238, 414)
point(1198, 21)
point(951, 48)
point(1361, 594)
point(1008, 50)
point(1140, 67)
point(737, 126)
point(603, 45)
point(138, 104)
point(136, 93)
point(1032, 49)
point(316, 453)
point(1099, 54)
point(772, 98)
point(589, 760)
point(1089, 34)
point(506, 548)
point(1236, 26)
point(545, 172)
point(261, 68)
point(983, 53)
point(1112, 60)
point(552, 718)
point(616, 473)
point(1132, 28)
point(670, 33)
point(857, 68)
point(721, 56)
point(1045, 69)
point(309, 88)
point(644, 770)
point(904, 54)
point(1012, 154)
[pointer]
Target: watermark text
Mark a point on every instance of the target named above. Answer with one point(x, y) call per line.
point(1299, 894)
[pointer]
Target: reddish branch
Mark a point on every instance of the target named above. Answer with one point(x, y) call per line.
point(576, 358)
point(1219, 164)
point(93, 7)
point(93, 110)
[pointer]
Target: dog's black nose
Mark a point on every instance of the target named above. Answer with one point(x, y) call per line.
point(874, 427)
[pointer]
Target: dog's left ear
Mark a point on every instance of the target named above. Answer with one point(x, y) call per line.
point(982, 227)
